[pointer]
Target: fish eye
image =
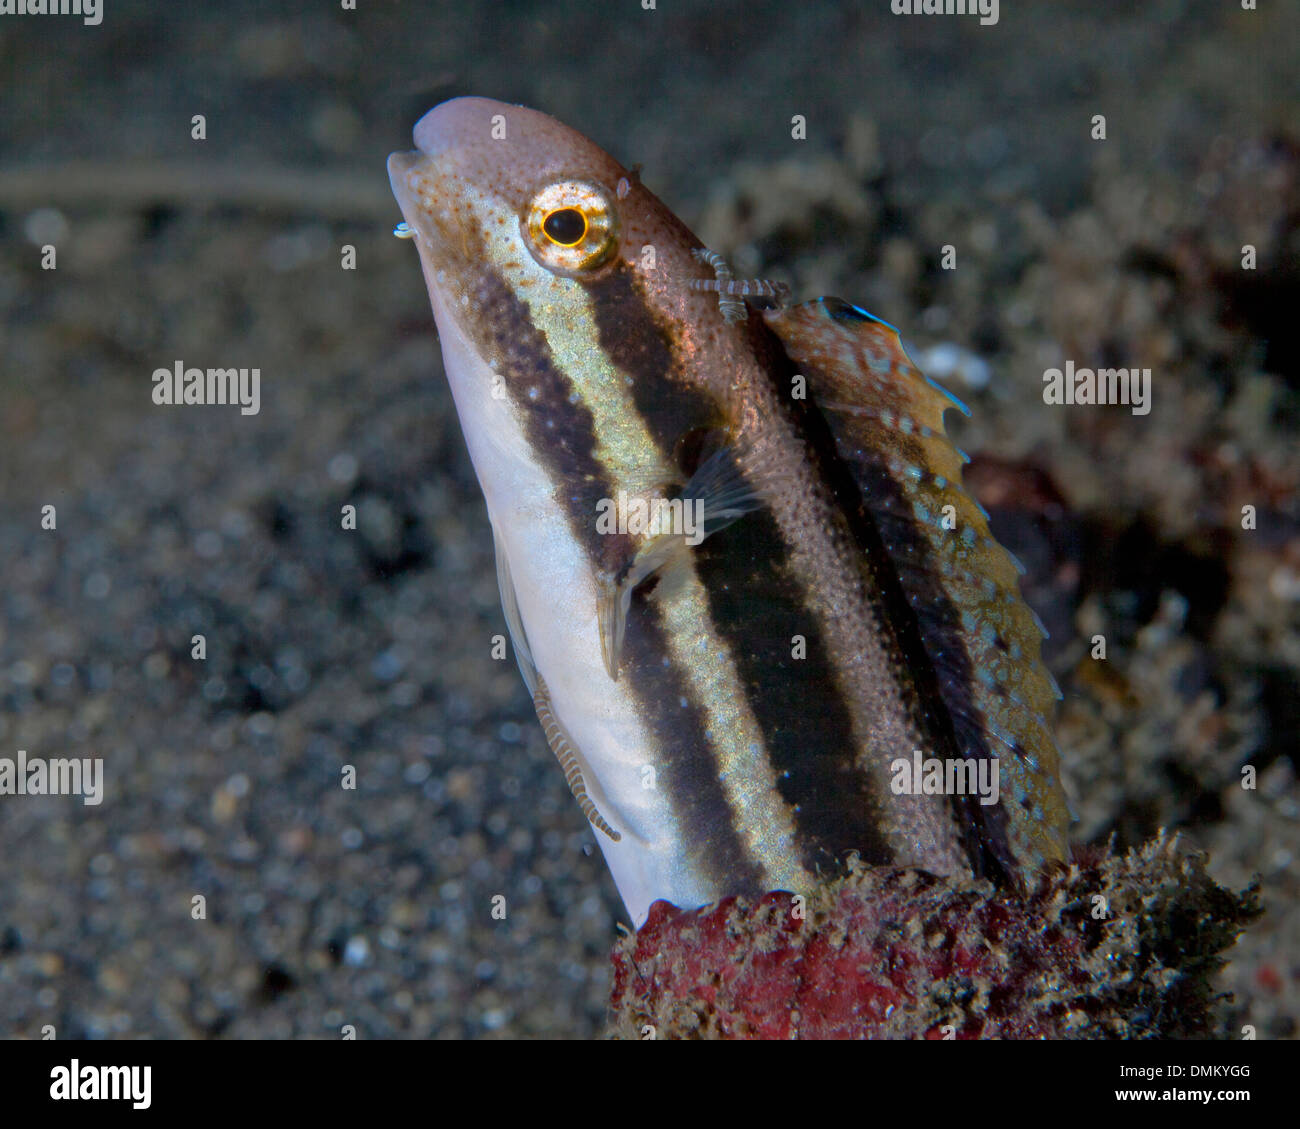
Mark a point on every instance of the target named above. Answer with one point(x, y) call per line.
point(566, 226)
point(571, 226)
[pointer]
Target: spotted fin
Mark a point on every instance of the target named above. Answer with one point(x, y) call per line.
point(982, 639)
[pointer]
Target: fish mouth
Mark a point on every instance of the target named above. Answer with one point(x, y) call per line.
point(402, 168)
point(399, 165)
point(432, 208)
point(450, 126)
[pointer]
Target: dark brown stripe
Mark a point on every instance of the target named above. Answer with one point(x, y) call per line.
point(926, 625)
point(928, 629)
point(559, 426)
point(758, 605)
point(642, 348)
point(755, 600)
point(687, 768)
point(562, 433)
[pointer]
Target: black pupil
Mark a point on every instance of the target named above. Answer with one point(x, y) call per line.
point(565, 226)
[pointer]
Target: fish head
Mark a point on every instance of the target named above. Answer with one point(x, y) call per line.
point(498, 189)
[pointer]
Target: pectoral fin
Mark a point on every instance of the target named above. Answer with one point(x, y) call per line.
point(716, 495)
point(723, 492)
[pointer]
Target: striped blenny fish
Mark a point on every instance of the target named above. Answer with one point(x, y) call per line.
point(741, 577)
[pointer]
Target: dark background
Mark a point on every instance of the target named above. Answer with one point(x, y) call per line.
point(326, 648)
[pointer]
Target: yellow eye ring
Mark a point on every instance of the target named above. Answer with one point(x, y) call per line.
point(571, 226)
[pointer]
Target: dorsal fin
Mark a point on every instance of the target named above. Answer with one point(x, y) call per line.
point(982, 639)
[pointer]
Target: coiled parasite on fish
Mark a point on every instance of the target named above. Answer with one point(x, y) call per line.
point(751, 600)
